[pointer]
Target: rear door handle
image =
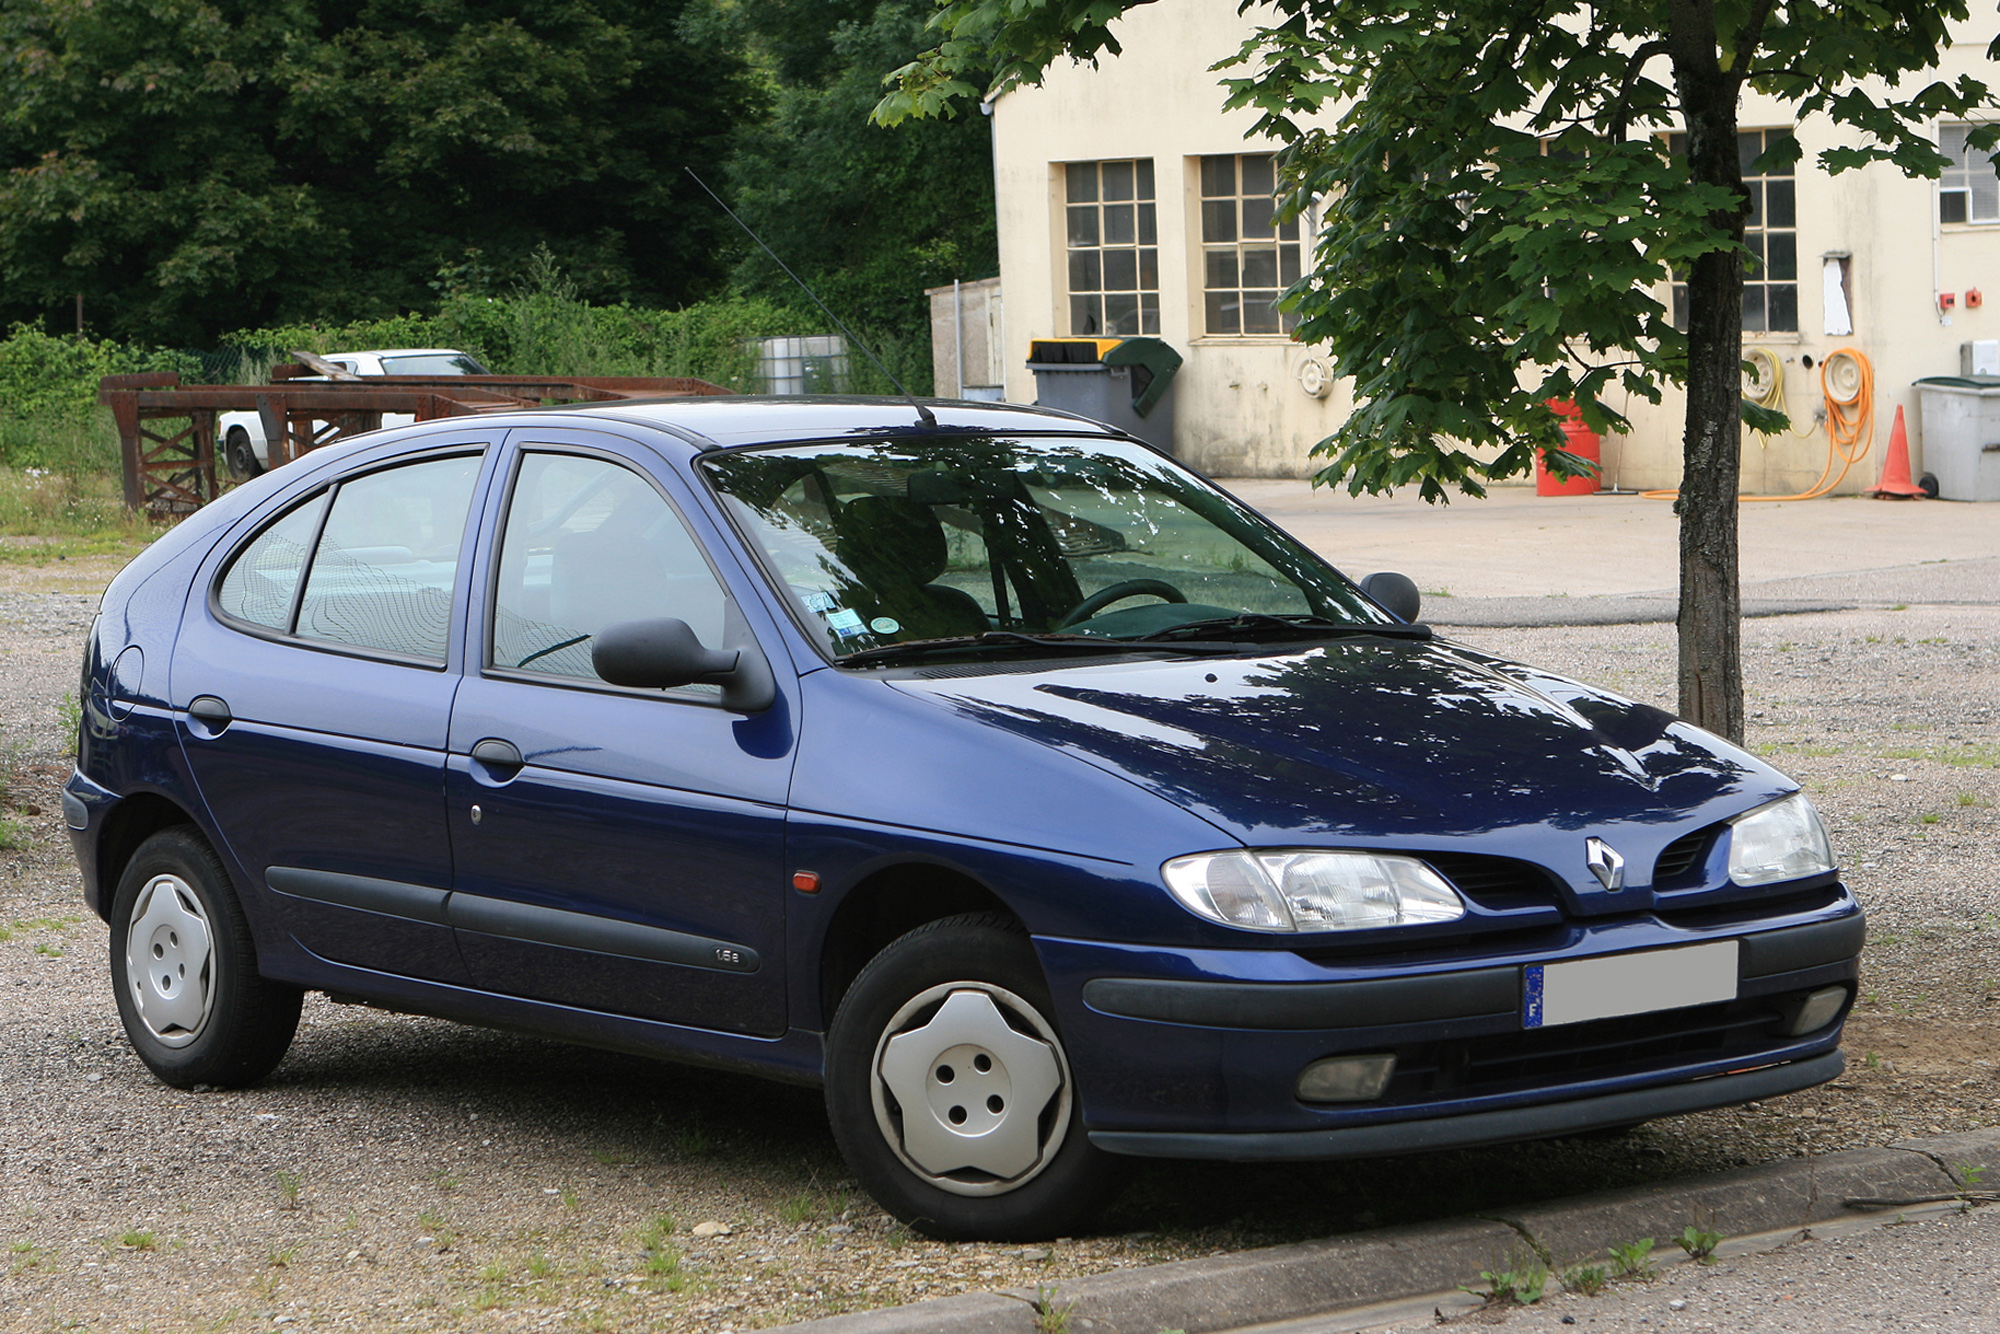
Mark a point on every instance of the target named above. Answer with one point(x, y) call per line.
point(501, 759)
point(213, 714)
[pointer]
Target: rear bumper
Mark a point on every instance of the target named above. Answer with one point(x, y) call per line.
point(1548, 1121)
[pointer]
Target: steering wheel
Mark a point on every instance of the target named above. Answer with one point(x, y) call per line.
point(1128, 588)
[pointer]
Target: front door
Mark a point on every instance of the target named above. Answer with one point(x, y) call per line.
point(619, 850)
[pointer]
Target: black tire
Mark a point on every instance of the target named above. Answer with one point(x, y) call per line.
point(982, 966)
point(239, 455)
point(201, 1014)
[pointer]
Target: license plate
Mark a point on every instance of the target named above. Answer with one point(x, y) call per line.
point(1621, 984)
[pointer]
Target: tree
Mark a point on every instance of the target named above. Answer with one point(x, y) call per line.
point(868, 216)
point(192, 166)
point(1502, 198)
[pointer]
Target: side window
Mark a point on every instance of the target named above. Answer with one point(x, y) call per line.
point(383, 572)
point(587, 544)
point(264, 578)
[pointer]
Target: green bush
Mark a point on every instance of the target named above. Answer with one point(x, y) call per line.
point(48, 395)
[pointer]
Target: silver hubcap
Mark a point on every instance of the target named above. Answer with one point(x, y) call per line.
point(975, 1074)
point(169, 960)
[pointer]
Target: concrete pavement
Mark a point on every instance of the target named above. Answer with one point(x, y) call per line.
point(1516, 558)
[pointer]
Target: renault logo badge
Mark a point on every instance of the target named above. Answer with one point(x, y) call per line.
point(1605, 863)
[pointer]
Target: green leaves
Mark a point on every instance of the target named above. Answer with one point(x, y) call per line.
point(189, 166)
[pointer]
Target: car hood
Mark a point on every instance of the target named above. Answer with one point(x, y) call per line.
point(1381, 743)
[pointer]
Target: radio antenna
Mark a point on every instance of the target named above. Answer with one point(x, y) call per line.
point(923, 413)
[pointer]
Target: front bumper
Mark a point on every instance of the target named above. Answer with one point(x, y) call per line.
point(1198, 1052)
point(1545, 1121)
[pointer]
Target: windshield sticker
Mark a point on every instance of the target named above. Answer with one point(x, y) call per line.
point(819, 601)
point(883, 625)
point(845, 623)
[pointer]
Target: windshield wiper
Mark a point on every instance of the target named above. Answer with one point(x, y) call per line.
point(998, 640)
point(1253, 624)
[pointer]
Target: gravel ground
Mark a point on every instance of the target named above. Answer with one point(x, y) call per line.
point(404, 1173)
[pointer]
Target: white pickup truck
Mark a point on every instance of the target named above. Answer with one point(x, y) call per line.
point(241, 434)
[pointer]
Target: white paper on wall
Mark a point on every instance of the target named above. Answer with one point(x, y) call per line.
point(1838, 322)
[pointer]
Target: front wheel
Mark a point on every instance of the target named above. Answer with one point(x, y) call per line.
point(184, 970)
point(951, 1095)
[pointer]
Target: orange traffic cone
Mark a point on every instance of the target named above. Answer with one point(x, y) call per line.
point(1896, 483)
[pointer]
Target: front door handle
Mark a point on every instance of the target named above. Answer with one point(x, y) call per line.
point(501, 759)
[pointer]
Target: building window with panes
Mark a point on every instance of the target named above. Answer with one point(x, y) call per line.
point(1770, 233)
point(1248, 257)
point(1114, 256)
point(1969, 189)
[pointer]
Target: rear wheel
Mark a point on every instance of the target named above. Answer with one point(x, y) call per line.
point(950, 1092)
point(240, 455)
point(184, 970)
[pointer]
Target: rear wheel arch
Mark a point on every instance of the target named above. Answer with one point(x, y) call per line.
point(885, 906)
point(130, 823)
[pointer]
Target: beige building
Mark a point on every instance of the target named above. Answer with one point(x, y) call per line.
point(1130, 202)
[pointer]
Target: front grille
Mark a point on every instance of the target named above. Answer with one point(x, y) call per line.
point(1497, 884)
point(1568, 1053)
point(1682, 857)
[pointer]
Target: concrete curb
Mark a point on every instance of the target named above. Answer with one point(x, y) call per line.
point(1311, 1278)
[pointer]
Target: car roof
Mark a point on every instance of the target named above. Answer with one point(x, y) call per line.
point(728, 420)
point(401, 352)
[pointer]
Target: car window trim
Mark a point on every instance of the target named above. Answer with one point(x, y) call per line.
point(289, 635)
point(521, 448)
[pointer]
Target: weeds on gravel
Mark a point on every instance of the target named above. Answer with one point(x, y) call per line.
point(441, 1231)
point(809, 1206)
point(27, 1255)
point(282, 1259)
point(662, 1268)
point(1585, 1280)
point(1051, 1316)
point(1522, 1286)
point(138, 1239)
point(1699, 1243)
point(1634, 1259)
point(289, 1185)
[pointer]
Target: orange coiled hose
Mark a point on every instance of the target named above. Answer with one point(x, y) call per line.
point(1847, 380)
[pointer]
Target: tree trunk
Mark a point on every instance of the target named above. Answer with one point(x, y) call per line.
point(1711, 664)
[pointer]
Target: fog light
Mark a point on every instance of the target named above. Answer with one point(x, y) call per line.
point(1817, 1012)
point(1346, 1078)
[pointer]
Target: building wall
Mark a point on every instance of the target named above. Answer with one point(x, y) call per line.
point(1240, 407)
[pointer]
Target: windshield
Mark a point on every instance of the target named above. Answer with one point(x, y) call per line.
point(433, 363)
point(904, 541)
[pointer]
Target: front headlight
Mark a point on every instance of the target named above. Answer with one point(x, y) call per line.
point(1290, 889)
point(1781, 841)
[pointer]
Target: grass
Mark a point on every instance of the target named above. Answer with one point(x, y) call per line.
point(289, 1185)
point(1970, 755)
point(138, 1239)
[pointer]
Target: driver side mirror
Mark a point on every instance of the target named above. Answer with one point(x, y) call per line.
point(664, 652)
point(1396, 594)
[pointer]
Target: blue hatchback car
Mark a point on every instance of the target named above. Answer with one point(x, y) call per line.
point(1039, 800)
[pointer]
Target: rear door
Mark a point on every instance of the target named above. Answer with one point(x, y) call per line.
point(313, 692)
point(615, 849)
